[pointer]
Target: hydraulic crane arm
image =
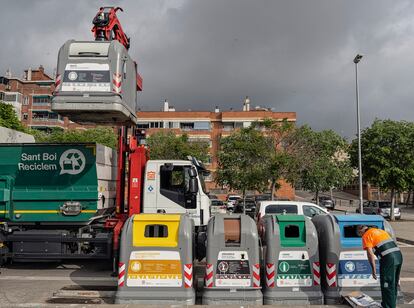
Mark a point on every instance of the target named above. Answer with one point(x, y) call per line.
point(107, 27)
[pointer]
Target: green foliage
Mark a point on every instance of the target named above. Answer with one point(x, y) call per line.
point(243, 160)
point(321, 159)
point(281, 165)
point(9, 119)
point(387, 155)
point(102, 135)
point(166, 145)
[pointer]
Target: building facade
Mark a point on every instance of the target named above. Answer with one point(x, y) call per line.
point(211, 127)
point(31, 98)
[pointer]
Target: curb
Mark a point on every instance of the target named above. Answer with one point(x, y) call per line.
point(403, 240)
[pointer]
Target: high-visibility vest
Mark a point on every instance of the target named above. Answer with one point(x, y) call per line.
point(382, 242)
point(385, 247)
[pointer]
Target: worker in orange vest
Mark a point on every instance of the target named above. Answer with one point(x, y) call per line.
point(379, 243)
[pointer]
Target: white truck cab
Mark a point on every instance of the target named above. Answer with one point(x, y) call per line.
point(167, 189)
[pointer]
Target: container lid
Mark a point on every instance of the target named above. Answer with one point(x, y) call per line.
point(155, 230)
point(283, 217)
point(359, 218)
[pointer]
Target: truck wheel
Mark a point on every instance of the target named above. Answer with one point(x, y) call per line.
point(3, 255)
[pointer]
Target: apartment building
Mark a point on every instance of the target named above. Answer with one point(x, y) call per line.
point(211, 127)
point(31, 97)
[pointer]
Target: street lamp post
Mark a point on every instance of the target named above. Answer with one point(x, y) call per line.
point(358, 58)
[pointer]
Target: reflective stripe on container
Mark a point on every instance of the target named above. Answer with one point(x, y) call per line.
point(209, 276)
point(256, 275)
point(316, 274)
point(331, 274)
point(121, 274)
point(58, 81)
point(117, 83)
point(188, 275)
point(270, 275)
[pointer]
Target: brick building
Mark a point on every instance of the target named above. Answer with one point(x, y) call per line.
point(210, 127)
point(31, 98)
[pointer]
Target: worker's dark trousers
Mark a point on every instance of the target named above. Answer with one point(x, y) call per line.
point(390, 268)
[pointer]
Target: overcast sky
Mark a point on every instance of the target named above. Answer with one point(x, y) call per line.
point(288, 55)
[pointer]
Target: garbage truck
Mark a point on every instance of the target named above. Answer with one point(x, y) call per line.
point(60, 201)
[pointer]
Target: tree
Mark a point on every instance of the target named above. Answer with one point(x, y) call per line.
point(166, 145)
point(102, 135)
point(281, 163)
point(9, 119)
point(321, 160)
point(387, 156)
point(243, 160)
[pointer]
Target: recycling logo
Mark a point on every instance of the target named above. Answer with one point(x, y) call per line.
point(350, 266)
point(284, 266)
point(72, 76)
point(223, 266)
point(72, 162)
point(136, 266)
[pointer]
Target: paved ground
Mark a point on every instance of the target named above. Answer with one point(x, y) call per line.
point(59, 284)
point(56, 283)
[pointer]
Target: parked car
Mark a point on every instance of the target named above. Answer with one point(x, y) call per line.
point(263, 197)
point(286, 207)
point(327, 202)
point(218, 206)
point(231, 201)
point(382, 208)
point(249, 205)
point(289, 207)
point(213, 197)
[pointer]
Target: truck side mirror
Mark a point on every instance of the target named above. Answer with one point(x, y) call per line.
point(192, 172)
point(193, 185)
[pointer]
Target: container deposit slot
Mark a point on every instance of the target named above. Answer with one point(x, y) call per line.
point(232, 231)
point(156, 231)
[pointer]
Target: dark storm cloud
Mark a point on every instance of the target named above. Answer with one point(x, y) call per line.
point(290, 55)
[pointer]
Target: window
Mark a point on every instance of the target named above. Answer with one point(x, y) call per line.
point(156, 231)
point(281, 209)
point(41, 100)
point(173, 125)
point(187, 125)
point(174, 185)
point(203, 125)
point(142, 125)
point(228, 126)
point(44, 115)
point(209, 177)
point(26, 100)
point(10, 97)
point(292, 231)
point(384, 205)
point(311, 211)
point(156, 124)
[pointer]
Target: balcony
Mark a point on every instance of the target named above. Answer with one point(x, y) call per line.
point(44, 119)
point(45, 116)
